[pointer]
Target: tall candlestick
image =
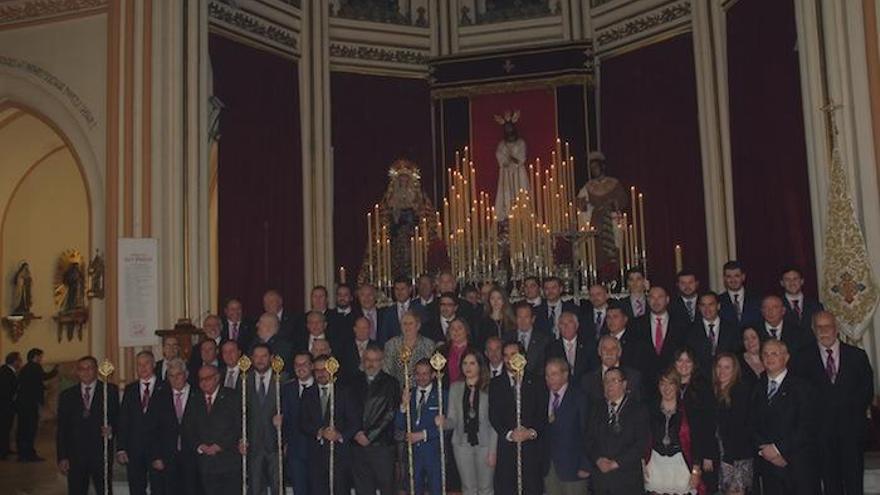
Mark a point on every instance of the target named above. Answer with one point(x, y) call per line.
point(370, 245)
point(679, 258)
point(633, 212)
point(642, 238)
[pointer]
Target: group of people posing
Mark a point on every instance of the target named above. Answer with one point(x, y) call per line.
point(669, 393)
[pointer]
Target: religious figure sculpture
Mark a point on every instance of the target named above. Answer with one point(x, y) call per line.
point(96, 276)
point(600, 203)
point(69, 278)
point(511, 156)
point(403, 207)
point(22, 302)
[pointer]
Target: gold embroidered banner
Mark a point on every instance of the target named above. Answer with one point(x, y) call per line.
point(850, 291)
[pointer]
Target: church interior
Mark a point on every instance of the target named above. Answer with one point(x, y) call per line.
point(160, 157)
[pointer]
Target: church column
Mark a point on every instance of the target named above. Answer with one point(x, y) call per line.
point(316, 146)
point(845, 80)
point(711, 75)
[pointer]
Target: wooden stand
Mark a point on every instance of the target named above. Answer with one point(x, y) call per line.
point(184, 330)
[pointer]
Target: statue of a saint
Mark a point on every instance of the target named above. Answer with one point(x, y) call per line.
point(69, 282)
point(96, 276)
point(600, 202)
point(22, 294)
point(511, 156)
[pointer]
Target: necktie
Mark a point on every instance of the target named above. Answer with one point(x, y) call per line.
point(209, 403)
point(774, 332)
point(640, 307)
point(230, 378)
point(712, 338)
point(570, 354)
point(145, 399)
point(87, 401)
point(262, 389)
point(302, 388)
point(421, 404)
point(555, 406)
point(772, 387)
point(233, 333)
point(658, 336)
point(325, 395)
point(178, 405)
point(524, 340)
point(739, 311)
point(372, 319)
point(830, 366)
point(797, 308)
point(612, 409)
point(690, 309)
point(553, 320)
point(495, 373)
point(400, 312)
point(598, 319)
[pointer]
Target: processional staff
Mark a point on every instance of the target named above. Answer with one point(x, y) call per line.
point(106, 369)
point(438, 362)
point(332, 367)
point(517, 364)
point(405, 357)
point(244, 364)
point(277, 368)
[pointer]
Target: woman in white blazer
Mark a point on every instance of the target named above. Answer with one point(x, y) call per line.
point(473, 438)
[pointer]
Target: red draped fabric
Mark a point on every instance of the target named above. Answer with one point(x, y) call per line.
point(536, 126)
point(259, 174)
point(374, 120)
point(770, 185)
point(649, 133)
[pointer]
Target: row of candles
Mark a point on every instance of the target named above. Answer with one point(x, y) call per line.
point(552, 190)
point(378, 250)
point(631, 234)
point(469, 224)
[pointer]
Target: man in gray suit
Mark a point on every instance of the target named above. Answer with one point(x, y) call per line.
point(262, 422)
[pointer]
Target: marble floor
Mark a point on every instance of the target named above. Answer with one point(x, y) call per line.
point(40, 478)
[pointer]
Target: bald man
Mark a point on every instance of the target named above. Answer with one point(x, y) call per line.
point(774, 325)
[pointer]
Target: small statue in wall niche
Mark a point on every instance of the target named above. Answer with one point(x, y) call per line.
point(22, 298)
point(96, 277)
point(70, 291)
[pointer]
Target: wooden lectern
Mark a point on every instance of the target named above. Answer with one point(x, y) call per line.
point(184, 330)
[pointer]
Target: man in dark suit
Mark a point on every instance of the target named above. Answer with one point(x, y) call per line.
point(262, 444)
point(172, 456)
point(373, 451)
point(610, 351)
point(8, 390)
point(799, 309)
point(594, 311)
point(578, 350)
point(437, 328)
point(351, 356)
point(389, 320)
point(235, 326)
point(81, 433)
point(446, 284)
point(170, 350)
point(268, 329)
point(213, 430)
point(212, 327)
point(31, 395)
point(207, 353)
point(315, 422)
point(273, 303)
point(737, 303)
point(635, 305)
point(774, 326)
point(319, 302)
point(135, 435)
point(425, 302)
point(502, 416)
point(230, 353)
point(548, 312)
point(366, 295)
point(711, 335)
point(684, 304)
point(316, 329)
point(617, 436)
point(297, 443)
point(842, 377)
point(784, 422)
point(566, 465)
point(343, 313)
point(422, 405)
point(531, 289)
point(534, 343)
point(664, 331)
point(637, 352)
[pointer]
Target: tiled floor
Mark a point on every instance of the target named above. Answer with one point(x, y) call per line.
point(40, 478)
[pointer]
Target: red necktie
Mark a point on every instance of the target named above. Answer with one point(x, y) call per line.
point(208, 403)
point(658, 336)
point(87, 401)
point(830, 366)
point(145, 399)
point(797, 308)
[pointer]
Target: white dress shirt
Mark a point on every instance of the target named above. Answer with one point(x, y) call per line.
point(768, 327)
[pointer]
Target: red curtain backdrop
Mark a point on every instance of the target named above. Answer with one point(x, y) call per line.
point(770, 184)
point(375, 120)
point(536, 125)
point(650, 135)
point(259, 175)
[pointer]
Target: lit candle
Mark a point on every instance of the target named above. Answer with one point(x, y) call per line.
point(642, 228)
point(632, 201)
point(679, 258)
point(341, 274)
point(370, 244)
point(412, 258)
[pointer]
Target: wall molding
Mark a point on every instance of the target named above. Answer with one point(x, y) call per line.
point(252, 26)
point(31, 11)
point(632, 29)
point(50, 79)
